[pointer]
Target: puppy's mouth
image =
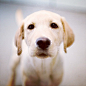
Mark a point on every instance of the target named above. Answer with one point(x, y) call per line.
point(43, 54)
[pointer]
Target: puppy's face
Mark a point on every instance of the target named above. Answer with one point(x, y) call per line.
point(43, 33)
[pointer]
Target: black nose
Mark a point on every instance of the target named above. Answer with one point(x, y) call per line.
point(43, 43)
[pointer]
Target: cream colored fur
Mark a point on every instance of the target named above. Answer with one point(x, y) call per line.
point(37, 71)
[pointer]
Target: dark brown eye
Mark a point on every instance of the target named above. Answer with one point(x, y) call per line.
point(54, 25)
point(31, 26)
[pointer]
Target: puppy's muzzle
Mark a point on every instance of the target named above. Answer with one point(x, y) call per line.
point(43, 43)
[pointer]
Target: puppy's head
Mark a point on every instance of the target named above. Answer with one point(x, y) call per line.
point(43, 32)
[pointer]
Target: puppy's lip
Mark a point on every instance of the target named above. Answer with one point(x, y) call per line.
point(42, 54)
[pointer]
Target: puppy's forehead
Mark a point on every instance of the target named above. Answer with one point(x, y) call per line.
point(43, 15)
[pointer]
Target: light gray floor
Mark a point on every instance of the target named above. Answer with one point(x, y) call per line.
point(74, 60)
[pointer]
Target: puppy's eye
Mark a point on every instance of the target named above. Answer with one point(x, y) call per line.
point(31, 26)
point(54, 25)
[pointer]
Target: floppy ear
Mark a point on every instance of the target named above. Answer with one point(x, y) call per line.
point(68, 38)
point(18, 38)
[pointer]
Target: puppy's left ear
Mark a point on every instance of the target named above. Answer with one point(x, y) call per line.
point(68, 38)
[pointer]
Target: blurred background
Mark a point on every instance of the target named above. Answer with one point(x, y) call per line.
point(75, 13)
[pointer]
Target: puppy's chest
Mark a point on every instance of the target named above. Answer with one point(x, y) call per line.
point(37, 67)
point(42, 67)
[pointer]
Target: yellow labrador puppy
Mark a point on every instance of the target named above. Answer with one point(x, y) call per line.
point(37, 43)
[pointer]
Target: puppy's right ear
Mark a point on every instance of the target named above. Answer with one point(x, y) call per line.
point(19, 36)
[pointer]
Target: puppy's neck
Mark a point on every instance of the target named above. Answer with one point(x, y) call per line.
point(46, 62)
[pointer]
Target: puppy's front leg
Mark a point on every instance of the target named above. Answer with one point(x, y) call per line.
point(30, 80)
point(14, 63)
